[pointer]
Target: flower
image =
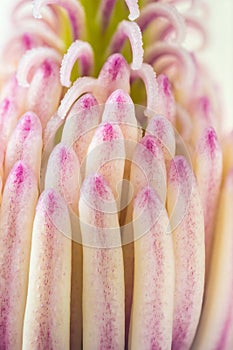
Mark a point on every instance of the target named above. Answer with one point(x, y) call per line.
point(116, 181)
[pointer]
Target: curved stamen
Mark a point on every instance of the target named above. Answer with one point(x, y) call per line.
point(80, 86)
point(78, 50)
point(191, 22)
point(131, 31)
point(105, 12)
point(74, 9)
point(133, 9)
point(23, 11)
point(34, 58)
point(182, 57)
point(44, 32)
point(148, 76)
point(158, 10)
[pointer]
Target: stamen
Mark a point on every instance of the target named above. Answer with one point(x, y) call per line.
point(78, 50)
point(133, 9)
point(43, 31)
point(131, 31)
point(23, 11)
point(114, 75)
point(74, 9)
point(182, 57)
point(158, 10)
point(33, 58)
point(148, 76)
point(105, 12)
point(81, 86)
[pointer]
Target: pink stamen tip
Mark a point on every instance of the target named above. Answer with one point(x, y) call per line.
point(100, 186)
point(46, 68)
point(108, 132)
point(114, 67)
point(151, 145)
point(27, 123)
point(165, 83)
point(205, 105)
point(4, 106)
point(27, 41)
point(179, 170)
point(19, 172)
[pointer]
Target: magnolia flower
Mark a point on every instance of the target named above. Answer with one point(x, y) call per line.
point(116, 180)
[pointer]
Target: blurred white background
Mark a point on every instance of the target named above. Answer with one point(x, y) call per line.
point(218, 56)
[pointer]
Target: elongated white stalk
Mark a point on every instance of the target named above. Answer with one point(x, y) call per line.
point(47, 316)
point(208, 170)
point(16, 220)
point(152, 309)
point(187, 224)
point(63, 174)
point(215, 326)
point(103, 272)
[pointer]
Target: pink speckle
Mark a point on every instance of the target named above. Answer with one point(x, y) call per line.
point(63, 155)
point(151, 145)
point(114, 66)
point(4, 106)
point(179, 171)
point(27, 123)
point(19, 174)
point(165, 84)
point(47, 68)
point(100, 187)
point(205, 105)
point(120, 98)
point(108, 132)
point(88, 101)
point(27, 42)
point(51, 202)
point(211, 139)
